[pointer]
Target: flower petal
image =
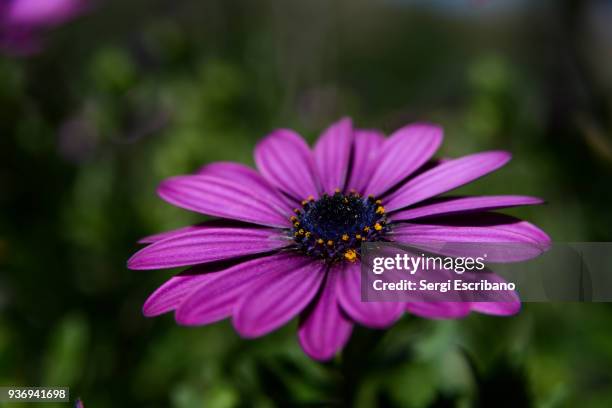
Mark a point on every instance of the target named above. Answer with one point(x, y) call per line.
point(205, 244)
point(365, 155)
point(403, 153)
point(215, 223)
point(332, 154)
point(247, 176)
point(497, 308)
point(216, 298)
point(502, 237)
point(226, 198)
point(149, 239)
point(439, 310)
point(286, 162)
point(371, 314)
point(232, 170)
point(277, 297)
point(479, 227)
point(178, 288)
point(239, 172)
point(169, 295)
point(448, 205)
point(446, 176)
point(503, 303)
point(324, 329)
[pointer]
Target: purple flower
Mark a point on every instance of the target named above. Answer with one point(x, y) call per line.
point(292, 247)
point(22, 22)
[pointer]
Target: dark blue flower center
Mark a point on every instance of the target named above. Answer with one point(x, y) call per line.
point(334, 226)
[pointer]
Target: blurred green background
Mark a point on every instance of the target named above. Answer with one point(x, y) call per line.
point(136, 91)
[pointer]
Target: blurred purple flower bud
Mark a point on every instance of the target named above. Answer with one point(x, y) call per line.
point(23, 22)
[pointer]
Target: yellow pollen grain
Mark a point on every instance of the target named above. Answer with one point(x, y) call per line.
point(350, 255)
point(320, 241)
point(345, 237)
point(301, 232)
point(377, 227)
point(297, 224)
point(358, 236)
point(330, 243)
point(366, 229)
point(296, 210)
point(293, 218)
point(308, 234)
point(311, 198)
point(337, 190)
point(371, 196)
point(304, 202)
point(380, 210)
point(379, 202)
